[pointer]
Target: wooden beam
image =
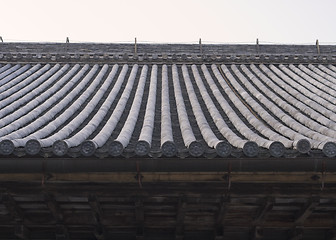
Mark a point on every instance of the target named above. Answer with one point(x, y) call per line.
point(240, 190)
point(179, 232)
point(256, 233)
point(95, 207)
point(306, 211)
point(140, 218)
point(179, 237)
point(296, 237)
point(99, 231)
point(53, 207)
point(61, 232)
point(331, 235)
point(174, 177)
point(21, 231)
point(296, 233)
point(140, 237)
point(223, 208)
point(14, 210)
point(263, 211)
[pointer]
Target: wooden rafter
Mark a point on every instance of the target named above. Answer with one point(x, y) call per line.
point(12, 207)
point(53, 207)
point(21, 231)
point(296, 233)
point(140, 218)
point(256, 233)
point(182, 210)
point(331, 234)
point(263, 211)
point(99, 232)
point(61, 232)
point(95, 206)
point(97, 213)
point(306, 211)
point(223, 207)
point(179, 232)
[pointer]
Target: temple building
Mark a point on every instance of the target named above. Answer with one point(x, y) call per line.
point(167, 141)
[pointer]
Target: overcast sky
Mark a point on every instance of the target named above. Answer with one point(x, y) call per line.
point(173, 21)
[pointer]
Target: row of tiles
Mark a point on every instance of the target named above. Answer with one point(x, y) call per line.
point(167, 108)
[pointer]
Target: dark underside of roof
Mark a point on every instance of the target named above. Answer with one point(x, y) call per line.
point(247, 150)
point(187, 209)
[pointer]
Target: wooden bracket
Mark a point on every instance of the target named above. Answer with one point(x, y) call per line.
point(263, 211)
point(14, 210)
point(53, 207)
point(306, 211)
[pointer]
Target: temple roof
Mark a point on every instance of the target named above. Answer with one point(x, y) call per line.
point(167, 141)
point(183, 105)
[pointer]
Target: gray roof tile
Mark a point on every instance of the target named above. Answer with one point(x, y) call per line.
point(167, 109)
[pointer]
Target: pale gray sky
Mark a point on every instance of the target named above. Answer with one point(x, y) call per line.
point(174, 21)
